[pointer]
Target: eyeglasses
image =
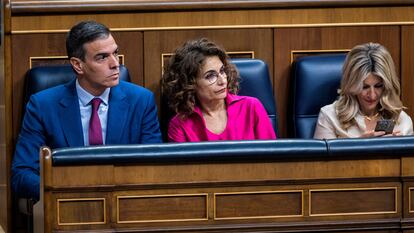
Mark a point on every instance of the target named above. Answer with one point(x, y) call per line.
point(212, 76)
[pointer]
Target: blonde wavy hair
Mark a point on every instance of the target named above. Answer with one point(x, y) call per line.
point(361, 61)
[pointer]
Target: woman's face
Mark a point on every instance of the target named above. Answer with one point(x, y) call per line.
point(370, 95)
point(211, 81)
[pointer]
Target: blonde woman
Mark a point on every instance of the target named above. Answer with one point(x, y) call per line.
point(370, 92)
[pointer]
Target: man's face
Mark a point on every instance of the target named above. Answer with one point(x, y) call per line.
point(100, 68)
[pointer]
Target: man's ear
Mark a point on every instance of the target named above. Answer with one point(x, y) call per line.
point(76, 64)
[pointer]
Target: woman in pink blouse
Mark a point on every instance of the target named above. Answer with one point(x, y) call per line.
point(201, 86)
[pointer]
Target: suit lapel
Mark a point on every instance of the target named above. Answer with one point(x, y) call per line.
point(69, 114)
point(117, 115)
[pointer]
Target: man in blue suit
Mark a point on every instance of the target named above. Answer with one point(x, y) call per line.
point(62, 116)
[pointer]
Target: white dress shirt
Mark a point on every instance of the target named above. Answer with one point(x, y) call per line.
point(329, 127)
point(86, 111)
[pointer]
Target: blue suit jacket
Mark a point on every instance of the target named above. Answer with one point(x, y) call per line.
point(52, 118)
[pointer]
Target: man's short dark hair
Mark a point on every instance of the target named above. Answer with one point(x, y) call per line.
point(82, 33)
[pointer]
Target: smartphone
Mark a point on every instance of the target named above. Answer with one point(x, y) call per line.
point(385, 125)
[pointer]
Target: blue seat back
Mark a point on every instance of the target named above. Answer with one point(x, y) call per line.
point(316, 80)
point(42, 77)
point(255, 81)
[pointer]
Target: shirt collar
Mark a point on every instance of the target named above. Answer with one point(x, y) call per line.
point(231, 98)
point(359, 119)
point(85, 97)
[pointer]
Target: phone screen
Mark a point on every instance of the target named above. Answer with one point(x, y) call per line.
point(385, 125)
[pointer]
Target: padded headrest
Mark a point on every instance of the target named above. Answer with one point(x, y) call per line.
point(239, 151)
point(403, 145)
point(316, 80)
point(255, 81)
point(42, 77)
point(235, 151)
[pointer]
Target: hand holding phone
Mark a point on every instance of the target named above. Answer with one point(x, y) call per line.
point(385, 125)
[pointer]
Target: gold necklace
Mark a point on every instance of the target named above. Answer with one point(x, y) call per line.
point(370, 118)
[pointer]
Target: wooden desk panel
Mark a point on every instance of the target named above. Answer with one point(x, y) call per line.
point(298, 194)
point(215, 19)
point(50, 6)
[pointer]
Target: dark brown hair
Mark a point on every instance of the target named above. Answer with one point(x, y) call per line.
point(179, 78)
point(82, 33)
